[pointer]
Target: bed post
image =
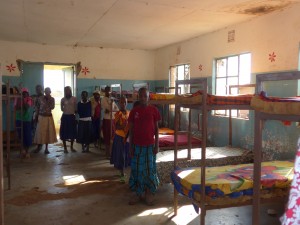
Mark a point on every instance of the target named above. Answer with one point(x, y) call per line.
point(203, 151)
point(1, 159)
point(8, 121)
point(189, 155)
point(176, 125)
point(257, 168)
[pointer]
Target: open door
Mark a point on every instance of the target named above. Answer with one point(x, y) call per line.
point(57, 77)
point(70, 78)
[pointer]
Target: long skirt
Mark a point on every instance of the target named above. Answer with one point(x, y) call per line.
point(106, 129)
point(68, 127)
point(143, 170)
point(85, 132)
point(120, 153)
point(45, 131)
point(292, 212)
point(27, 132)
point(96, 129)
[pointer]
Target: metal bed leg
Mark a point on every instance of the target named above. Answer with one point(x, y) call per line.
point(175, 202)
point(202, 216)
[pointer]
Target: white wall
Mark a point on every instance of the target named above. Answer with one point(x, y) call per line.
point(103, 63)
point(278, 32)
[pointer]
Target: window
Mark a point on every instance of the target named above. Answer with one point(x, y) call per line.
point(179, 72)
point(232, 70)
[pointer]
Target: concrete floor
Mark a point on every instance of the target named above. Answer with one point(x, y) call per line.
point(83, 189)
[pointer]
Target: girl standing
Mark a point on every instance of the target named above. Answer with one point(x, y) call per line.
point(143, 142)
point(85, 133)
point(109, 107)
point(120, 147)
point(68, 124)
point(24, 112)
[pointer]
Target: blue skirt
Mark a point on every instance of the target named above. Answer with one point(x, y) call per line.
point(120, 153)
point(143, 170)
point(85, 132)
point(27, 132)
point(68, 127)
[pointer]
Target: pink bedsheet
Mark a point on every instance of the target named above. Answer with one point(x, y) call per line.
point(168, 140)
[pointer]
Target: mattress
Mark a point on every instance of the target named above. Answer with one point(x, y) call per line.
point(196, 98)
point(165, 130)
point(167, 141)
point(234, 183)
point(166, 98)
point(215, 156)
point(229, 100)
point(275, 105)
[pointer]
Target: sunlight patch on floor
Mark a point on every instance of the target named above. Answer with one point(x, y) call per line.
point(150, 212)
point(185, 215)
point(94, 181)
point(73, 179)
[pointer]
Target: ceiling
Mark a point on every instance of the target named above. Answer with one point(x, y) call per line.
point(129, 24)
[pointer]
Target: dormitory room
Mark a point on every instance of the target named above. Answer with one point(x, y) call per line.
point(129, 112)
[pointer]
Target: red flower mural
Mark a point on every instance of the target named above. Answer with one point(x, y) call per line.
point(85, 70)
point(272, 57)
point(200, 67)
point(11, 67)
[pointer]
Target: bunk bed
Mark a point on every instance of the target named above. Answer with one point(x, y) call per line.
point(269, 108)
point(223, 187)
point(166, 134)
point(216, 156)
point(9, 142)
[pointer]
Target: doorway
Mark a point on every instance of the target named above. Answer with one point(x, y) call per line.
point(57, 77)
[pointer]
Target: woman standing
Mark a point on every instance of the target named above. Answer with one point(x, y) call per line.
point(68, 124)
point(23, 108)
point(45, 130)
point(85, 133)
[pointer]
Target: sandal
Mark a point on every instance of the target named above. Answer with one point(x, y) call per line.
point(122, 179)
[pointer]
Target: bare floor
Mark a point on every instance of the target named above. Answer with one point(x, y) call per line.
point(84, 189)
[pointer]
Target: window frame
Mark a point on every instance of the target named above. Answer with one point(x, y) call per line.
point(232, 113)
point(172, 81)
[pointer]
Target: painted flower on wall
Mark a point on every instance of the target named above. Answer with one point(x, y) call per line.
point(272, 57)
point(85, 70)
point(10, 67)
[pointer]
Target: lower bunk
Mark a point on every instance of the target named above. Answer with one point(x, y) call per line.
point(232, 185)
point(167, 141)
point(215, 156)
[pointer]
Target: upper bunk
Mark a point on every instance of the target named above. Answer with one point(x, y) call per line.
point(201, 97)
point(276, 108)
